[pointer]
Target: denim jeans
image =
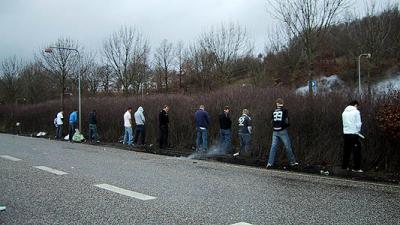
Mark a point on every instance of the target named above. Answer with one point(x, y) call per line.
point(93, 132)
point(140, 135)
point(225, 140)
point(201, 141)
point(284, 137)
point(245, 142)
point(59, 131)
point(128, 136)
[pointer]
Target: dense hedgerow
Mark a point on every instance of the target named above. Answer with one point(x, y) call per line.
point(315, 131)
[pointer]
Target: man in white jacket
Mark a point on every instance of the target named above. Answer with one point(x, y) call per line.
point(351, 132)
point(139, 131)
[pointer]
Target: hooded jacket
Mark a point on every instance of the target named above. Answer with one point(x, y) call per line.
point(139, 116)
point(351, 120)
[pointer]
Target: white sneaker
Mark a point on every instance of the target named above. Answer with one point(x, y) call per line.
point(2, 208)
point(236, 154)
point(294, 164)
point(357, 171)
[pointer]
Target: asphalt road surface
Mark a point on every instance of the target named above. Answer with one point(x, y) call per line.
point(53, 182)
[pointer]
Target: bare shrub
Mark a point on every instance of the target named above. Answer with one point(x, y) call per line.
point(315, 131)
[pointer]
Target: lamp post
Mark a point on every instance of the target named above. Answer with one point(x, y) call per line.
point(368, 55)
point(50, 50)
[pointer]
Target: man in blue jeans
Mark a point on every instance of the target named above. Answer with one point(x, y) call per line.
point(128, 133)
point(225, 131)
point(202, 121)
point(245, 130)
point(280, 123)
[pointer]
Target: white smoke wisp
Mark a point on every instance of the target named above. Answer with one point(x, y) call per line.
point(194, 155)
point(334, 83)
point(387, 85)
point(325, 84)
point(213, 151)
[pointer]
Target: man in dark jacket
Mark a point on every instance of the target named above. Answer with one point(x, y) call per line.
point(225, 131)
point(93, 126)
point(163, 125)
point(280, 121)
point(202, 121)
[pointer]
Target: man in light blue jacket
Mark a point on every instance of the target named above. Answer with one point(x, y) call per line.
point(140, 129)
point(73, 123)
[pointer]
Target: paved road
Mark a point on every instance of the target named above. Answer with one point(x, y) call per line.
point(49, 182)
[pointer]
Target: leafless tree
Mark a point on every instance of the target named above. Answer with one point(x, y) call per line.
point(104, 74)
point(180, 58)
point(122, 51)
point(11, 69)
point(226, 44)
point(200, 64)
point(61, 62)
point(373, 32)
point(139, 68)
point(307, 20)
point(89, 75)
point(37, 84)
point(164, 58)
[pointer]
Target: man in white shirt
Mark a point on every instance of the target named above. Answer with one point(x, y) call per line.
point(351, 133)
point(128, 127)
point(59, 124)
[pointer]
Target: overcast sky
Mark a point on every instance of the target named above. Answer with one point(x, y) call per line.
point(26, 26)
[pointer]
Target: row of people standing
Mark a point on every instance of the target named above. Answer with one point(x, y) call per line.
point(134, 127)
point(351, 121)
point(135, 130)
point(73, 125)
point(279, 120)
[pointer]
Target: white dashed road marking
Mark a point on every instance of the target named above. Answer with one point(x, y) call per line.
point(125, 192)
point(242, 223)
point(10, 158)
point(50, 170)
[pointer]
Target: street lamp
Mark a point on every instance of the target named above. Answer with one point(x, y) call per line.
point(368, 55)
point(50, 50)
